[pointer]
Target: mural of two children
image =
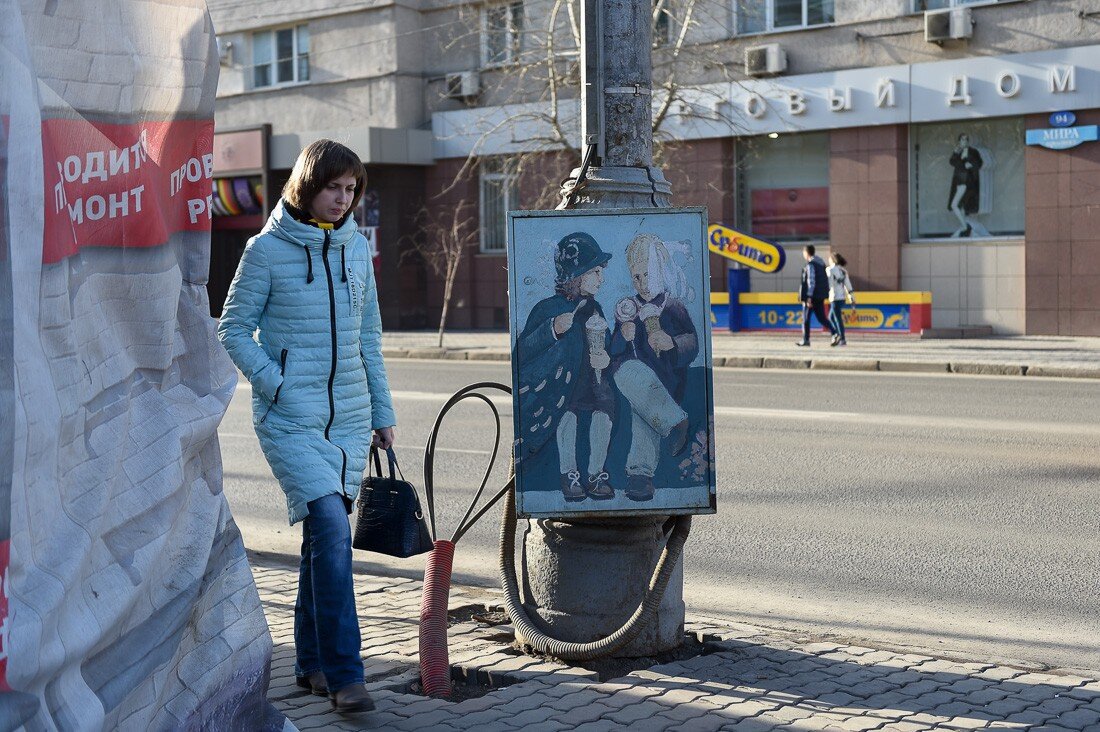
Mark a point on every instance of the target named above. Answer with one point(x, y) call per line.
point(606, 405)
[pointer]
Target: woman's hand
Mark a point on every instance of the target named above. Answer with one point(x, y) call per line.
point(383, 438)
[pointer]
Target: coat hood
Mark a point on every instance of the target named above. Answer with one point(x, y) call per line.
point(282, 224)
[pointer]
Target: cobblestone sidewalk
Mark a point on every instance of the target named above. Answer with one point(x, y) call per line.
point(747, 679)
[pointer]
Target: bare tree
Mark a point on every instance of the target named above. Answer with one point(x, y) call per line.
point(529, 95)
point(443, 233)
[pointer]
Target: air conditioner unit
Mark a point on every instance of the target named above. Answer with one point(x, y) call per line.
point(462, 85)
point(765, 60)
point(225, 52)
point(949, 24)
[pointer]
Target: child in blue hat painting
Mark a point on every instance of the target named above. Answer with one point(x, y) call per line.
point(563, 352)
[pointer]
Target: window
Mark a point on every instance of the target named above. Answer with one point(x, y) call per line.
point(503, 33)
point(280, 56)
point(919, 6)
point(967, 179)
point(783, 186)
point(662, 23)
point(758, 16)
point(499, 195)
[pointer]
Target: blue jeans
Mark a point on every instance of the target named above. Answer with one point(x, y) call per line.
point(818, 310)
point(326, 627)
point(836, 317)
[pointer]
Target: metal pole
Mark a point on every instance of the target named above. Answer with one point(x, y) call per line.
point(617, 111)
point(584, 577)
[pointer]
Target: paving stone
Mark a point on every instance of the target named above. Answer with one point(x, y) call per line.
point(860, 724)
point(708, 723)
point(1001, 673)
point(581, 714)
point(1080, 718)
point(683, 712)
point(675, 697)
point(1008, 706)
point(483, 718)
point(634, 712)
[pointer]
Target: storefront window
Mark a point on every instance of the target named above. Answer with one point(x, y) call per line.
point(967, 179)
point(784, 186)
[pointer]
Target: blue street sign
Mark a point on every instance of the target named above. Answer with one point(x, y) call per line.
point(1062, 119)
point(1062, 138)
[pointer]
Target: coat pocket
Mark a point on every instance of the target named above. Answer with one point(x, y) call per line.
point(282, 370)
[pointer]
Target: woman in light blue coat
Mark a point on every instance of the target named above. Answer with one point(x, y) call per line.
point(302, 324)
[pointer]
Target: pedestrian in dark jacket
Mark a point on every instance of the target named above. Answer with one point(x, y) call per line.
point(302, 324)
point(813, 292)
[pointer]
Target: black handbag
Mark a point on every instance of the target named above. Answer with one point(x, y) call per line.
point(390, 519)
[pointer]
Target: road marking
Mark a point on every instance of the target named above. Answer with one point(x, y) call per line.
point(931, 422)
point(500, 399)
point(911, 420)
point(420, 449)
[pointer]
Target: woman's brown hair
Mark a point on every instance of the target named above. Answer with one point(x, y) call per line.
point(321, 162)
point(840, 260)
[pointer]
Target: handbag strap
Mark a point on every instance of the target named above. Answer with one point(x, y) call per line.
point(391, 457)
point(375, 461)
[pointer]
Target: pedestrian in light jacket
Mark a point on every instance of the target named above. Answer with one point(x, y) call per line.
point(812, 293)
point(840, 293)
point(305, 287)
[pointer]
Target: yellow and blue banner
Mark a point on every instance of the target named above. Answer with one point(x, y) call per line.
point(744, 249)
point(890, 312)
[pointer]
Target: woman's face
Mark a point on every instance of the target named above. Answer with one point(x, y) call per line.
point(964, 141)
point(591, 281)
point(333, 201)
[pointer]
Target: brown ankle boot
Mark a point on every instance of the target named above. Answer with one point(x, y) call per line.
point(315, 682)
point(353, 698)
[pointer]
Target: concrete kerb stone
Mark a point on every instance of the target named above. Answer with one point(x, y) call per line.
point(773, 362)
point(740, 362)
point(919, 367)
point(786, 363)
point(425, 353)
point(489, 356)
point(845, 364)
point(1067, 372)
point(988, 369)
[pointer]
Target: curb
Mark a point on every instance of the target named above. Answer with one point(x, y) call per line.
point(774, 362)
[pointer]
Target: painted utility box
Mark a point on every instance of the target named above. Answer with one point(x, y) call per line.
point(611, 362)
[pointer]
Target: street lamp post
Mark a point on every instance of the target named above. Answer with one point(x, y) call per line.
point(583, 577)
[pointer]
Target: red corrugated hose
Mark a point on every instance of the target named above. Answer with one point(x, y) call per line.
point(435, 666)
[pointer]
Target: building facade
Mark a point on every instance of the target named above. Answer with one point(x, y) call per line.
point(921, 138)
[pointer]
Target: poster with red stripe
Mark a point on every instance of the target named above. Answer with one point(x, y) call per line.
point(124, 185)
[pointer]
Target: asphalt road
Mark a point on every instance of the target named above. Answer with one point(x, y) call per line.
point(953, 513)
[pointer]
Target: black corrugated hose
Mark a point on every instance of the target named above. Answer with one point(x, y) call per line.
point(677, 529)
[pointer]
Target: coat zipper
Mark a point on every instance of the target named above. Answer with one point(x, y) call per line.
point(275, 400)
point(332, 369)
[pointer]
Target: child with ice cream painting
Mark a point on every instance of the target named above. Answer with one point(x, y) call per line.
point(652, 348)
point(563, 355)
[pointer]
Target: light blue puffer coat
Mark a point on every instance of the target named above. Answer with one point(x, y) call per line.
point(318, 382)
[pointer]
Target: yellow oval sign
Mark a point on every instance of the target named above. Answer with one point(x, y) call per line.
point(745, 249)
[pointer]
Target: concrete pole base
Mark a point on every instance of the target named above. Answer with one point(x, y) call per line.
point(618, 187)
point(584, 579)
